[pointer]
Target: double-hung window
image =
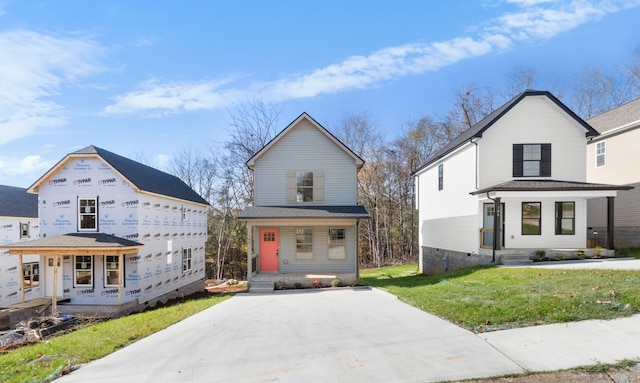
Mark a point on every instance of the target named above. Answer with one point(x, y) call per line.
point(111, 270)
point(532, 160)
point(186, 260)
point(440, 176)
point(531, 218)
point(88, 214)
point(304, 183)
point(601, 154)
point(83, 270)
point(24, 230)
point(304, 243)
point(336, 244)
point(565, 218)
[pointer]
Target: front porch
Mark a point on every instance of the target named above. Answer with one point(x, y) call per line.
point(266, 282)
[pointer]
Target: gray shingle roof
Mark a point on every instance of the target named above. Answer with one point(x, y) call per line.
point(76, 240)
point(622, 115)
point(16, 202)
point(145, 177)
point(548, 185)
point(476, 130)
point(315, 211)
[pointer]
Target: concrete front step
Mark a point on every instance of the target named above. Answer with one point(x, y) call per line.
point(261, 287)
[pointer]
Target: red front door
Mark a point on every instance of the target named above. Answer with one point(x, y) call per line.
point(268, 250)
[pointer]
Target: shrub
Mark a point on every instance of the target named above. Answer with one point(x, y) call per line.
point(597, 251)
point(336, 283)
point(559, 256)
point(279, 285)
point(579, 254)
point(297, 285)
point(317, 283)
point(540, 254)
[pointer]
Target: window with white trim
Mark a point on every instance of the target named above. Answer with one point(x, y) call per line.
point(30, 275)
point(186, 260)
point(111, 270)
point(440, 176)
point(337, 244)
point(601, 154)
point(24, 230)
point(304, 184)
point(83, 270)
point(87, 214)
point(304, 243)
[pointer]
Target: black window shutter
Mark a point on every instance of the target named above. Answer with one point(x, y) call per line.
point(517, 160)
point(545, 163)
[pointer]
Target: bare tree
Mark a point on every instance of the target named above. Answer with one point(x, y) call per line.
point(631, 73)
point(596, 92)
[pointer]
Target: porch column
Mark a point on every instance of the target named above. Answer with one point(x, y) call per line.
point(120, 277)
point(21, 275)
point(249, 249)
point(497, 224)
point(610, 222)
point(54, 298)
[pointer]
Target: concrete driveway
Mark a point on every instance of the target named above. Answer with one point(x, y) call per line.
point(324, 335)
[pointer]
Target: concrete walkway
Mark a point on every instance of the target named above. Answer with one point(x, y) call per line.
point(351, 335)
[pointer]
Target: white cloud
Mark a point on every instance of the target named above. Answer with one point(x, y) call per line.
point(536, 20)
point(30, 165)
point(33, 67)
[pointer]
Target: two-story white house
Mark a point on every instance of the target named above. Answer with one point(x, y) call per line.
point(115, 234)
point(512, 184)
point(303, 224)
point(613, 157)
point(18, 223)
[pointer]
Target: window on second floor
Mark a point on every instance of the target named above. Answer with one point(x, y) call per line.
point(532, 160)
point(601, 154)
point(87, 214)
point(305, 186)
point(24, 230)
point(440, 176)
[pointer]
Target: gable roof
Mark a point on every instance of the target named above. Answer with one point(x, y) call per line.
point(16, 202)
point(478, 129)
point(143, 178)
point(251, 161)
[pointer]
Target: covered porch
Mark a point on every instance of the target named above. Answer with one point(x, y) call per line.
point(53, 251)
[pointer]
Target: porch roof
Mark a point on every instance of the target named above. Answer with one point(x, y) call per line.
point(309, 211)
point(548, 185)
point(75, 243)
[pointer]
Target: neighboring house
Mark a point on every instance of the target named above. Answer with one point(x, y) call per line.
point(303, 225)
point(18, 223)
point(520, 171)
point(613, 157)
point(116, 233)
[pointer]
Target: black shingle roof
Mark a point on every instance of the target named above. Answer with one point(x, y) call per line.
point(145, 177)
point(476, 130)
point(16, 202)
point(548, 185)
point(315, 211)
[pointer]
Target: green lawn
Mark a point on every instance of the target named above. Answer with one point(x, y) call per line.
point(42, 361)
point(493, 298)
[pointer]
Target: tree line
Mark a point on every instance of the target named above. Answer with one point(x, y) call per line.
point(385, 183)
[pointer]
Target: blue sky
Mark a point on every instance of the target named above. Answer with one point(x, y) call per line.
point(148, 79)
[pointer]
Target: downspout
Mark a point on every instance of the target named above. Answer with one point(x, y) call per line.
point(496, 226)
point(357, 250)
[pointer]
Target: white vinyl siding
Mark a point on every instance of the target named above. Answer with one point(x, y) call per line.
point(447, 218)
point(535, 119)
point(324, 157)
point(621, 156)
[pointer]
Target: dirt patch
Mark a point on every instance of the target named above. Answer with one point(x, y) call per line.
point(214, 286)
point(630, 374)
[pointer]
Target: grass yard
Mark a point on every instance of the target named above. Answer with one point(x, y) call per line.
point(42, 361)
point(493, 298)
